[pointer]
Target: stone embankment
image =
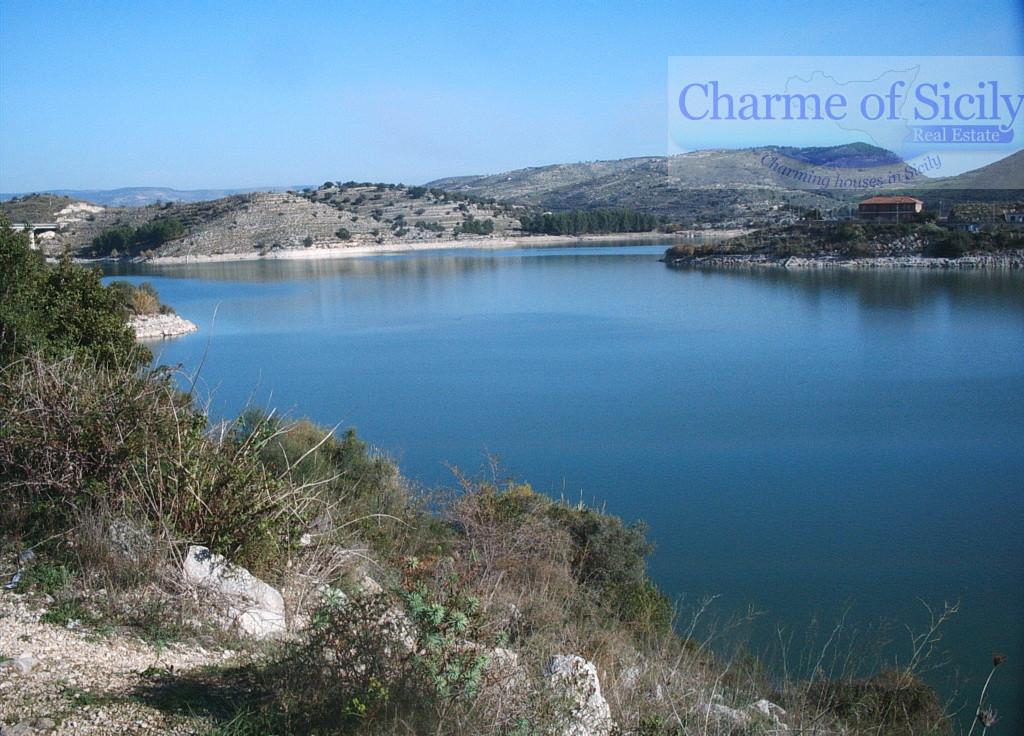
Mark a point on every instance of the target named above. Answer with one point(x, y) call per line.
point(1013, 260)
point(159, 326)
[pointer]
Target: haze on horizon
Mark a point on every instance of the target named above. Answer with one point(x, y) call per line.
point(191, 95)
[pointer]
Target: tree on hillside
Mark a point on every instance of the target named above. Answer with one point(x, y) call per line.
point(126, 240)
point(580, 222)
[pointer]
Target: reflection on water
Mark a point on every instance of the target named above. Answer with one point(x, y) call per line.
point(435, 262)
point(799, 441)
point(908, 288)
point(885, 288)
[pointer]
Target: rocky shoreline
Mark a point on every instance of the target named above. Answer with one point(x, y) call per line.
point(160, 326)
point(1013, 260)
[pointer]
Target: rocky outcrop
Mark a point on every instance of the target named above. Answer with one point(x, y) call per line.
point(1013, 260)
point(77, 212)
point(159, 326)
point(250, 605)
point(575, 683)
point(503, 667)
point(763, 712)
point(129, 541)
point(331, 217)
point(21, 665)
point(29, 727)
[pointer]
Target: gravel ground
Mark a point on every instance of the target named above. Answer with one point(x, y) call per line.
point(82, 683)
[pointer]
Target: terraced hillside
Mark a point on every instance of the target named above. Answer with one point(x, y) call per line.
point(705, 187)
point(36, 208)
point(331, 216)
point(66, 212)
point(733, 187)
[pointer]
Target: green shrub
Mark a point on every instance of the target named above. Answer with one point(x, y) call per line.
point(45, 577)
point(521, 533)
point(846, 232)
point(579, 222)
point(113, 240)
point(129, 241)
point(477, 227)
point(610, 557)
point(953, 245)
point(894, 702)
point(141, 299)
point(680, 251)
point(366, 663)
point(65, 612)
point(446, 661)
point(605, 552)
point(59, 311)
point(362, 490)
point(92, 441)
point(641, 605)
point(157, 232)
point(349, 668)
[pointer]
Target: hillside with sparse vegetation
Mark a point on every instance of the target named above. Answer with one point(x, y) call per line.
point(331, 216)
point(728, 188)
point(854, 243)
point(704, 188)
point(336, 215)
point(35, 207)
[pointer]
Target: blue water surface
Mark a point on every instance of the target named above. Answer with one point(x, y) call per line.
point(806, 443)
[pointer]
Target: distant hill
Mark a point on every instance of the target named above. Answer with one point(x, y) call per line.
point(35, 207)
point(329, 216)
point(721, 186)
point(731, 186)
point(49, 208)
point(1007, 173)
point(724, 188)
point(850, 156)
point(143, 196)
point(998, 183)
point(69, 214)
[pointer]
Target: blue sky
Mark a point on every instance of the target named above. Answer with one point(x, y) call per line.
point(234, 94)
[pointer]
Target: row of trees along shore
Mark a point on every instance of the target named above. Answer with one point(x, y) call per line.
point(582, 222)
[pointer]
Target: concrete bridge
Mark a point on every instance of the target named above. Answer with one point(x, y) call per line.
point(35, 228)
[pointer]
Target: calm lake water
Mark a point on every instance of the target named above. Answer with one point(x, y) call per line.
point(806, 443)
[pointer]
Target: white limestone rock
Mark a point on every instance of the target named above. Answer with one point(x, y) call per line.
point(255, 608)
point(159, 326)
point(762, 711)
point(575, 680)
point(768, 709)
point(23, 665)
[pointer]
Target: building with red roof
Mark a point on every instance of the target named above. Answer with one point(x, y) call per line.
point(890, 209)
